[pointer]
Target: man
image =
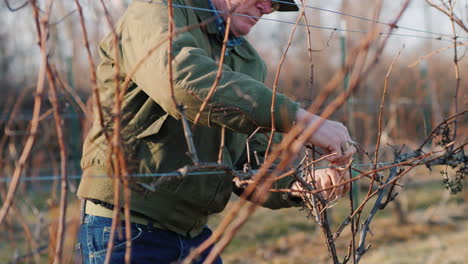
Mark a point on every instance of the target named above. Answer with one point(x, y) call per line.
point(169, 214)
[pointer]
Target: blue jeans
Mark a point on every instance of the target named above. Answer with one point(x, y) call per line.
point(149, 245)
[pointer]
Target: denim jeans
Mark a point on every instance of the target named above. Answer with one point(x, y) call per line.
point(149, 245)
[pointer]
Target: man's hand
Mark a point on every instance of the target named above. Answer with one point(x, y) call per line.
point(331, 136)
point(325, 178)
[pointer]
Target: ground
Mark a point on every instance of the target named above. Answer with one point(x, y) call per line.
point(419, 241)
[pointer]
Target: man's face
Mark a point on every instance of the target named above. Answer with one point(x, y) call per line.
point(241, 25)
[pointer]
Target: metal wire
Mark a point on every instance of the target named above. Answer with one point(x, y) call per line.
point(170, 174)
point(442, 37)
point(369, 20)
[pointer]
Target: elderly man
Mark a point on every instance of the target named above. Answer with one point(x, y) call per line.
point(169, 214)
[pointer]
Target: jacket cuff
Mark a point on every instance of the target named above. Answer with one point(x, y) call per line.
point(278, 200)
point(291, 200)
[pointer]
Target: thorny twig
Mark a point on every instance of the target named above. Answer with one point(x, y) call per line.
point(395, 174)
point(323, 218)
point(116, 155)
point(92, 70)
point(435, 52)
point(449, 14)
point(456, 67)
point(312, 204)
point(309, 47)
point(63, 156)
point(379, 134)
point(353, 223)
point(188, 134)
point(384, 93)
point(247, 145)
point(63, 192)
point(192, 152)
point(429, 137)
point(275, 84)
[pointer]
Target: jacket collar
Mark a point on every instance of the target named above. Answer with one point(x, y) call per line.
point(221, 27)
point(204, 13)
point(217, 27)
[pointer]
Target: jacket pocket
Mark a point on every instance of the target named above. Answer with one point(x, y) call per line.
point(154, 128)
point(208, 193)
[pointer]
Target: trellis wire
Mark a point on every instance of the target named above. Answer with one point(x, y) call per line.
point(368, 19)
point(175, 174)
point(441, 37)
point(76, 116)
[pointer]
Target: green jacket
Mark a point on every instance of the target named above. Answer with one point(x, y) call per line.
point(152, 133)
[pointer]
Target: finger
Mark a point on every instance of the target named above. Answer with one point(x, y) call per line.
point(346, 157)
point(332, 194)
point(348, 154)
point(312, 178)
point(322, 182)
point(326, 183)
point(336, 154)
point(346, 177)
point(347, 144)
point(336, 179)
point(318, 185)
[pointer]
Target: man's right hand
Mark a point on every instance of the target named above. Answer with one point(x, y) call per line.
point(331, 136)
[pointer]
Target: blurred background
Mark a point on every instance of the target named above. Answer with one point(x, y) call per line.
point(425, 224)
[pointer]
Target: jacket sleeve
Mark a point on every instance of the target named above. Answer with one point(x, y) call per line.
point(275, 200)
point(240, 103)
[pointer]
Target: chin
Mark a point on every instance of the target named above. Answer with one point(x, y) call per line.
point(241, 31)
point(241, 28)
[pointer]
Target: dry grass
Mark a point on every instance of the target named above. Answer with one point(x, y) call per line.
point(412, 243)
point(438, 247)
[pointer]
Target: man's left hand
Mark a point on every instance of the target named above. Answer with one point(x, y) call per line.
point(325, 179)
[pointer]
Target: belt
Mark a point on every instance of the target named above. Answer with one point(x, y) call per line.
point(91, 208)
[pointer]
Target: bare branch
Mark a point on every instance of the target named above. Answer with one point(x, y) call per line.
point(220, 69)
point(449, 14)
point(275, 84)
